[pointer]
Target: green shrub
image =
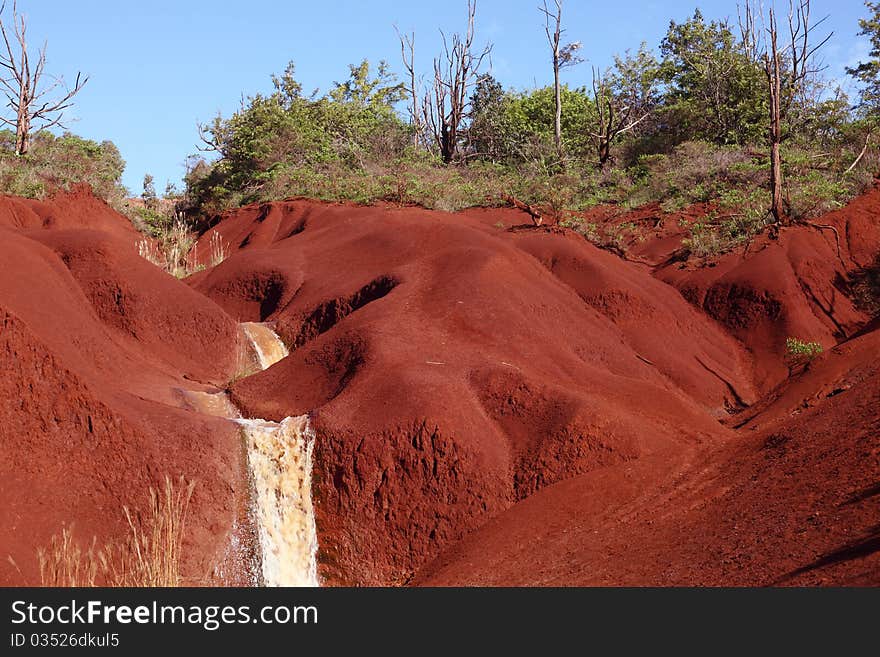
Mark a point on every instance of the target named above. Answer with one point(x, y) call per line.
point(705, 240)
point(589, 229)
point(351, 144)
point(802, 351)
point(56, 163)
point(287, 144)
point(694, 172)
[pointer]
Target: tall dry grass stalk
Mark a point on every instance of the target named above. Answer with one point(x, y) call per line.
point(178, 245)
point(219, 252)
point(148, 250)
point(174, 250)
point(150, 555)
point(154, 547)
point(65, 563)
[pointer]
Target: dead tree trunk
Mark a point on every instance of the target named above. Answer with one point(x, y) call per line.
point(773, 71)
point(23, 119)
point(445, 106)
point(788, 69)
point(408, 45)
point(604, 151)
point(616, 114)
point(557, 95)
point(26, 96)
point(561, 57)
point(554, 36)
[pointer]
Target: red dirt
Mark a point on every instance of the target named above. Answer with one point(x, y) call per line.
point(504, 405)
point(458, 371)
point(792, 499)
point(95, 343)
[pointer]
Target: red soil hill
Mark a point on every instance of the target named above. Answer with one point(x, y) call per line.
point(791, 498)
point(95, 342)
point(456, 368)
point(493, 403)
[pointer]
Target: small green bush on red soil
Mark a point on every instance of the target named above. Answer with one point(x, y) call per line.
point(802, 351)
point(54, 163)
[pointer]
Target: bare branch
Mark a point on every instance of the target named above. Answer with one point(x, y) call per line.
point(408, 45)
point(24, 87)
point(788, 68)
point(861, 154)
point(553, 31)
point(446, 105)
point(207, 137)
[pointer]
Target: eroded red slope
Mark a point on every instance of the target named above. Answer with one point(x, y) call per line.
point(454, 368)
point(493, 403)
point(792, 500)
point(95, 344)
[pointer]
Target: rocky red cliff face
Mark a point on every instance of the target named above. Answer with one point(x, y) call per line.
point(492, 403)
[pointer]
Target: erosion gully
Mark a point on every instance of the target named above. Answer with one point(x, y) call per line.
point(279, 458)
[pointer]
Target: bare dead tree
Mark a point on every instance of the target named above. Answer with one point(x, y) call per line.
point(788, 67)
point(553, 39)
point(36, 106)
point(773, 70)
point(445, 105)
point(408, 55)
point(562, 57)
point(616, 115)
point(750, 36)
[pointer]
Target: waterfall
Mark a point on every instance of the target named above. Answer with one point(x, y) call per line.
point(266, 343)
point(280, 463)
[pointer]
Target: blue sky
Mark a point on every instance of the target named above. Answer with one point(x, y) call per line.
point(159, 66)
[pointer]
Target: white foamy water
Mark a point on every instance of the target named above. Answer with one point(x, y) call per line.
point(268, 346)
point(280, 461)
point(280, 465)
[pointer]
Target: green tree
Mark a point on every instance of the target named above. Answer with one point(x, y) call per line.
point(287, 87)
point(529, 117)
point(60, 162)
point(380, 91)
point(489, 133)
point(868, 72)
point(282, 135)
point(715, 92)
point(149, 193)
point(624, 96)
point(171, 192)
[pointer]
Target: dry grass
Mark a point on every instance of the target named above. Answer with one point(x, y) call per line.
point(219, 252)
point(150, 555)
point(174, 250)
point(65, 563)
point(149, 250)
